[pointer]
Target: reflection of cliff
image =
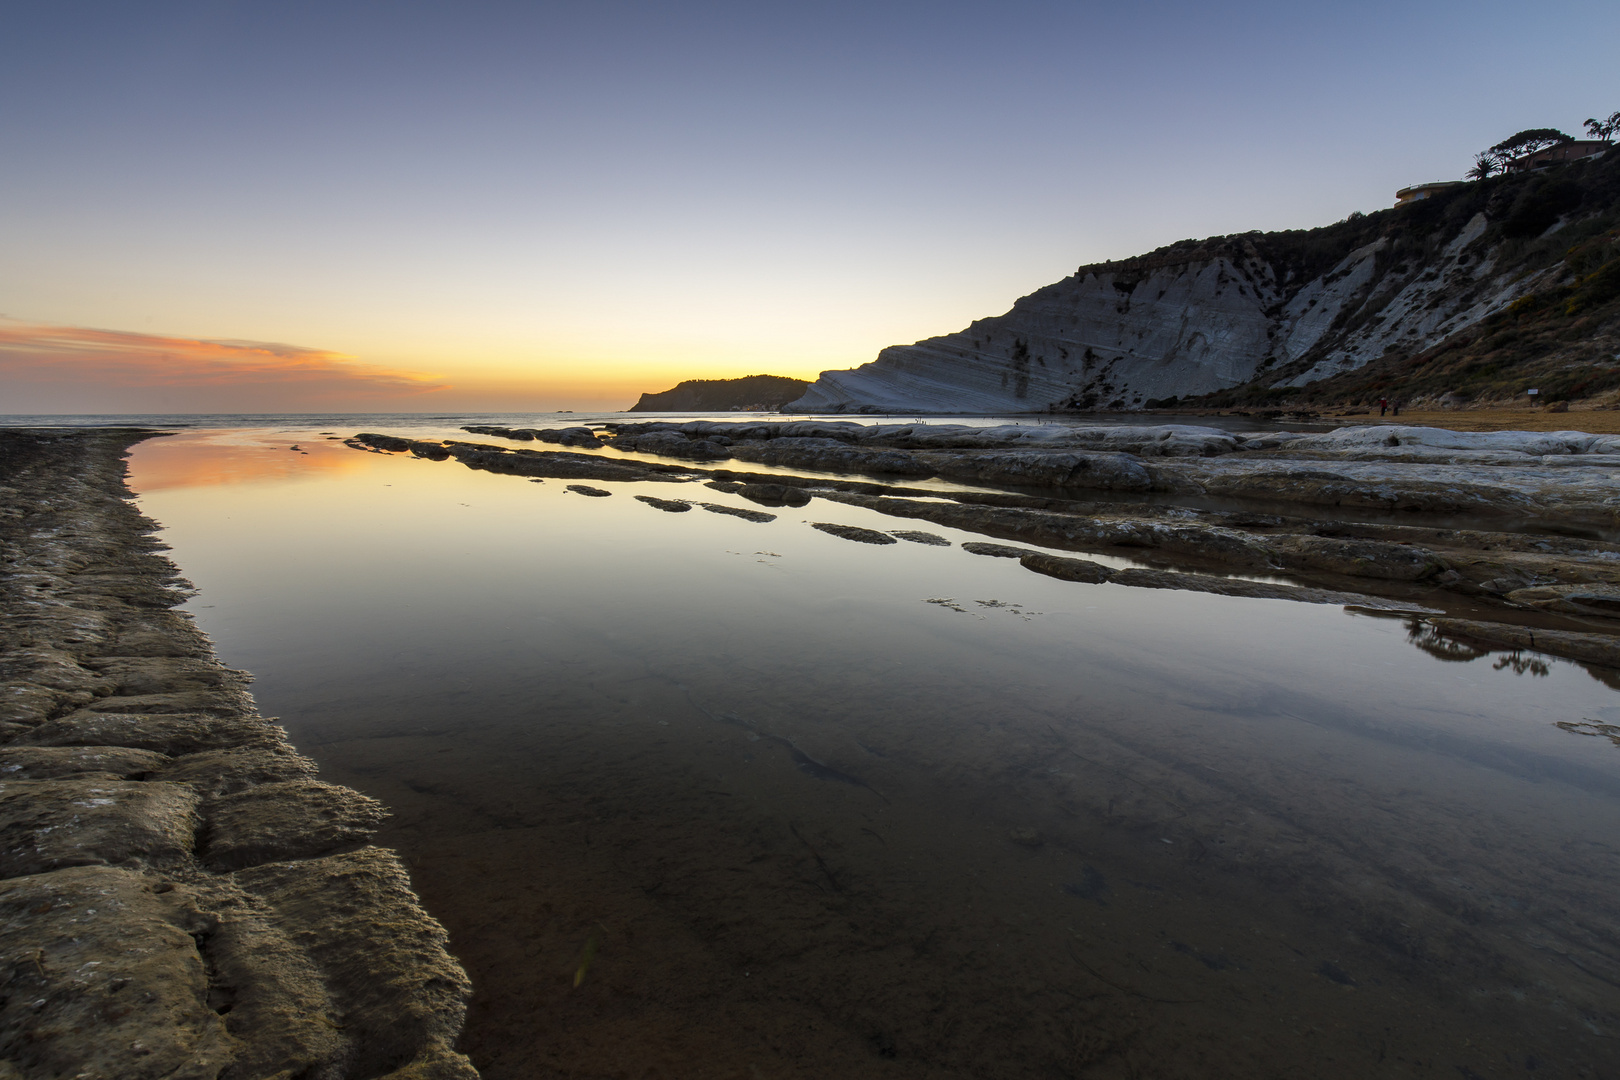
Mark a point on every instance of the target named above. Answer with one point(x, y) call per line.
point(1275, 310)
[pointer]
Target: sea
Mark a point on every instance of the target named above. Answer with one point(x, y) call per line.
point(698, 795)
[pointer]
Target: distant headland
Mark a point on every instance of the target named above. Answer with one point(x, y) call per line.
point(751, 393)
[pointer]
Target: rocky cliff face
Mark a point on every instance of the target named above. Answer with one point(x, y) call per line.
point(1286, 308)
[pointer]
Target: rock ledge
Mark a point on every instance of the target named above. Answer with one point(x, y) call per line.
point(179, 897)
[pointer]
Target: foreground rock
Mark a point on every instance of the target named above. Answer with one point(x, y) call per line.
point(179, 897)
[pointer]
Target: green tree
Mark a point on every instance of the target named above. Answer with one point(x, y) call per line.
point(1604, 129)
point(1527, 142)
point(1485, 164)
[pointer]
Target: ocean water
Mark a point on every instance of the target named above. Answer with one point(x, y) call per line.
point(828, 808)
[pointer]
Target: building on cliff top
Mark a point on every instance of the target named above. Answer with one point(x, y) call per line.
point(1423, 191)
point(1558, 154)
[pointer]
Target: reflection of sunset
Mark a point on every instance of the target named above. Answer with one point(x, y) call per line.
point(186, 460)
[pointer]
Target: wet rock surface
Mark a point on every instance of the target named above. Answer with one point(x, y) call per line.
point(179, 897)
point(853, 532)
point(916, 536)
point(756, 516)
point(1567, 475)
point(995, 551)
point(568, 436)
point(671, 506)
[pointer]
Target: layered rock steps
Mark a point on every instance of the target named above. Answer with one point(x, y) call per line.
point(1360, 516)
point(179, 895)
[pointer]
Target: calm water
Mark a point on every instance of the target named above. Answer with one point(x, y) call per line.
point(834, 809)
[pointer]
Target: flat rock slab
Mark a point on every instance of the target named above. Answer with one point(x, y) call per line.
point(1574, 599)
point(48, 824)
point(402, 996)
point(127, 746)
point(169, 733)
point(774, 494)
point(917, 536)
point(104, 981)
point(1258, 590)
point(737, 511)
point(290, 820)
point(586, 489)
point(672, 506)
point(134, 675)
point(1066, 569)
point(50, 762)
point(996, 551)
point(1084, 570)
point(221, 772)
point(854, 532)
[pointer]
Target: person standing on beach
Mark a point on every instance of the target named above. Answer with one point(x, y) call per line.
point(1395, 407)
point(1383, 406)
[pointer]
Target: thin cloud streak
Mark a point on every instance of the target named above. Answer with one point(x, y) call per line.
point(44, 367)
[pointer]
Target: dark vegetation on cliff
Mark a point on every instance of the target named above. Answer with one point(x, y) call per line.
point(723, 395)
point(1560, 225)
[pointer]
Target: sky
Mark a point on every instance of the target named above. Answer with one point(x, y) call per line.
point(502, 206)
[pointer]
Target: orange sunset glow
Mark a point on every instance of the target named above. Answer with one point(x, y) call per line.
point(119, 371)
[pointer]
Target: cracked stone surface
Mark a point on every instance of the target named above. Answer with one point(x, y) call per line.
point(180, 897)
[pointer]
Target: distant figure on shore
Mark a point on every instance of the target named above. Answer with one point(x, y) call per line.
point(1395, 407)
point(1383, 406)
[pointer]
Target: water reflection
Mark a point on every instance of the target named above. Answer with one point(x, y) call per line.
point(817, 819)
point(243, 456)
point(1593, 728)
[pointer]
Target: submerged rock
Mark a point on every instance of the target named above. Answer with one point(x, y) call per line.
point(737, 511)
point(996, 551)
point(774, 494)
point(673, 506)
point(1066, 569)
point(854, 532)
point(1138, 578)
point(919, 537)
point(586, 489)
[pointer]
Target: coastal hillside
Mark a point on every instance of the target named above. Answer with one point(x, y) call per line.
point(723, 395)
point(1512, 270)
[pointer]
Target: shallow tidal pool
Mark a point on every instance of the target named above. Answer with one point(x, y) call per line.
point(702, 796)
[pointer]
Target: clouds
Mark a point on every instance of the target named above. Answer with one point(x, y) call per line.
point(45, 369)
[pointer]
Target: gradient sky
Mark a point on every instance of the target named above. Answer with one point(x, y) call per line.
point(509, 206)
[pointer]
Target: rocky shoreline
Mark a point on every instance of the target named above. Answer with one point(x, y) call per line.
point(179, 895)
point(1513, 530)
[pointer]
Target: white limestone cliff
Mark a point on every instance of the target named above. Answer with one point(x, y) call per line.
point(1185, 321)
